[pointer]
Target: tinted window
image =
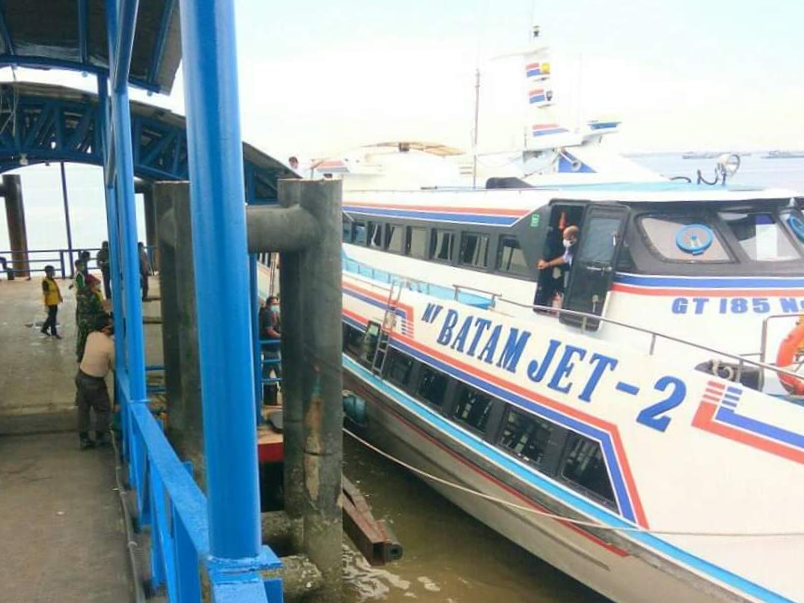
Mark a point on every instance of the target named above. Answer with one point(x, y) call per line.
point(585, 466)
point(663, 230)
point(600, 240)
point(346, 237)
point(432, 386)
point(526, 436)
point(417, 242)
point(375, 235)
point(360, 233)
point(369, 343)
point(510, 258)
point(760, 236)
point(443, 244)
point(352, 340)
point(401, 369)
point(394, 238)
point(474, 250)
point(473, 409)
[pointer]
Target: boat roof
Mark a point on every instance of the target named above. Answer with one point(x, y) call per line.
point(627, 192)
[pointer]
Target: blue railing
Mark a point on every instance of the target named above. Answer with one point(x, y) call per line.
point(171, 504)
point(61, 259)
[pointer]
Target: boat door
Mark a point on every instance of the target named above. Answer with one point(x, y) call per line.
point(592, 270)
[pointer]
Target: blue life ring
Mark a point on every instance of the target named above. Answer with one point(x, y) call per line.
point(797, 226)
point(695, 238)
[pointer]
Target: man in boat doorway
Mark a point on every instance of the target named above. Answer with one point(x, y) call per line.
point(90, 383)
point(270, 329)
point(557, 283)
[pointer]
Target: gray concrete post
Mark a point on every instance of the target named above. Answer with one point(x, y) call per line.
point(323, 385)
point(179, 322)
point(15, 219)
point(292, 373)
point(150, 222)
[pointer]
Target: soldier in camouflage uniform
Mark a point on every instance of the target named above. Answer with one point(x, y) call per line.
point(88, 309)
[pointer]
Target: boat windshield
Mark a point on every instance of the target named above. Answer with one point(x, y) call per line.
point(761, 236)
point(684, 238)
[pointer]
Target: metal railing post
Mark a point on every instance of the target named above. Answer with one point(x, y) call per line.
point(217, 195)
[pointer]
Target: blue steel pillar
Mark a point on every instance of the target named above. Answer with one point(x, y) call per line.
point(222, 280)
point(121, 40)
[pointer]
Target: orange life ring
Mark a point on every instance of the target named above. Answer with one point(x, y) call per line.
point(788, 350)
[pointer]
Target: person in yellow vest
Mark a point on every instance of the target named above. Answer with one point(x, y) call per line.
point(52, 298)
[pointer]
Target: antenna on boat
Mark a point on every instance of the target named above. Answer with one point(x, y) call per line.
point(477, 119)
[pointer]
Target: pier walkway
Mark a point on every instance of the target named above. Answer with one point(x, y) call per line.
point(62, 536)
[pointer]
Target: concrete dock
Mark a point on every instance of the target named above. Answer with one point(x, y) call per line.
point(62, 535)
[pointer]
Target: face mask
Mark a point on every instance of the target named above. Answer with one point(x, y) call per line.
point(274, 308)
point(568, 244)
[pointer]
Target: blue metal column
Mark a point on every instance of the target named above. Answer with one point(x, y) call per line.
point(121, 39)
point(221, 269)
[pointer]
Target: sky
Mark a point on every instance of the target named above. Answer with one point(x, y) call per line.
point(318, 78)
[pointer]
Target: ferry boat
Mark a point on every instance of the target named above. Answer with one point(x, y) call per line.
point(633, 417)
point(638, 433)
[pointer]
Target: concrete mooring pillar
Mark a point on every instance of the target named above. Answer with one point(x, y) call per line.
point(180, 322)
point(151, 232)
point(306, 231)
point(15, 218)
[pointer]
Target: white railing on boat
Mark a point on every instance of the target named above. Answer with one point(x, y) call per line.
point(741, 360)
point(494, 299)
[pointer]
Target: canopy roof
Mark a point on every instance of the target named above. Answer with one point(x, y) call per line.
point(71, 34)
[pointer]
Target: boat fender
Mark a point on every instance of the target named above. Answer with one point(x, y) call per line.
point(789, 350)
point(354, 408)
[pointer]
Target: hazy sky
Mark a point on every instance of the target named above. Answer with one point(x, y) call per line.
point(319, 77)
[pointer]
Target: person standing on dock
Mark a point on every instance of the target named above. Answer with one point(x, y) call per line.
point(52, 297)
point(88, 309)
point(270, 328)
point(102, 258)
point(90, 383)
point(145, 270)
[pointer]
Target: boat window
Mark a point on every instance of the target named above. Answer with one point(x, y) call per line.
point(510, 257)
point(375, 235)
point(760, 236)
point(369, 343)
point(401, 368)
point(600, 240)
point(585, 466)
point(352, 340)
point(473, 409)
point(432, 386)
point(684, 239)
point(360, 233)
point(474, 250)
point(394, 238)
point(347, 230)
point(443, 242)
point(526, 436)
point(417, 242)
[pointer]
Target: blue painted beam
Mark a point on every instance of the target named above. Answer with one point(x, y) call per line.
point(159, 48)
point(83, 24)
point(219, 247)
point(123, 184)
point(47, 63)
point(120, 61)
point(5, 35)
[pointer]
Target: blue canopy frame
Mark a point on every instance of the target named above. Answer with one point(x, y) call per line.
point(219, 534)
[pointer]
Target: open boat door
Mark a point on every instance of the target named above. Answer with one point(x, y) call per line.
point(593, 266)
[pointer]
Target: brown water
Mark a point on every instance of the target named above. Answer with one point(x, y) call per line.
point(449, 556)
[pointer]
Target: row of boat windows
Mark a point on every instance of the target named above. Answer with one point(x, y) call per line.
point(474, 250)
point(550, 448)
